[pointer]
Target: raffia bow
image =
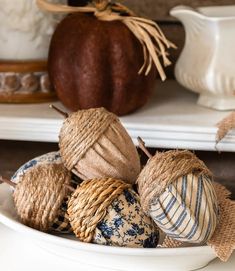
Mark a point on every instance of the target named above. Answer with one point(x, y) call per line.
point(148, 33)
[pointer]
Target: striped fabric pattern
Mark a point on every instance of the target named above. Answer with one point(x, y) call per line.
point(187, 211)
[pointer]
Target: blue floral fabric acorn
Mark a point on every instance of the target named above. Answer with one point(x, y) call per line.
point(44, 162)
point(39, 196)
point(177, 192)
point(108, 212)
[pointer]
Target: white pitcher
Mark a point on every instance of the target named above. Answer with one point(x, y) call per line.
point(207, 62)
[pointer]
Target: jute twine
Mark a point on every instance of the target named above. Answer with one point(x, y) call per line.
point(224, 126)
point(170, 243)
point(148, 33)
point(165, 168)
point(40, 193)
point(80, 131)
point(88, 205)
point(223, 239)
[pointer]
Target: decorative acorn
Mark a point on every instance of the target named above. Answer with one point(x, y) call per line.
point(48, 158)
point(94, 144)
point(108, 212)
point(41, 195)
point(176, 191)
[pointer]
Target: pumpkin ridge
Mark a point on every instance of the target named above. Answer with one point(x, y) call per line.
point(93, 64)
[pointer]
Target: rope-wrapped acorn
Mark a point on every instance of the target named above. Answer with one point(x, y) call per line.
point(94, 144)
point(41, 195)
point(178, 192)
point(108, 212)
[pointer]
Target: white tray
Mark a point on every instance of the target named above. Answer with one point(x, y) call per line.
point(172, 119)
point(110, 258)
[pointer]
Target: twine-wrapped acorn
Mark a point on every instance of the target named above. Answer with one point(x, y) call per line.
point(48, 158)
point(41, 195)
point(176, 190)
point(94, 144)
point(108, 212)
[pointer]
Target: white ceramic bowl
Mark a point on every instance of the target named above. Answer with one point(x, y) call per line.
point(112, 258)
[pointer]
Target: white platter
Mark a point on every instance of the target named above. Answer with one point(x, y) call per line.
point(110, 258)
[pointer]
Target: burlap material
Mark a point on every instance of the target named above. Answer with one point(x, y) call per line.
point(165, 168)
point(88, 205)
point(40, 194)
point(223, 239)
point(168, 242)
point(94, 144)
point(224, 126)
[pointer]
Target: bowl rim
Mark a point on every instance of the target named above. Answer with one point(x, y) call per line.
point(7, 220)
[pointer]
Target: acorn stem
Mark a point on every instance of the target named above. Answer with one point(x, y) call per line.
point(143, 148)
point(64, 114)
point(70, 188)
point(7, 182)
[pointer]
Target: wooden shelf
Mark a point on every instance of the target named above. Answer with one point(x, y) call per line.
point(171, 119)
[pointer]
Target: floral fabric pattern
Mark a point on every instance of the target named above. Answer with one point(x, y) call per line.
point(52, 157)
point(126, 225)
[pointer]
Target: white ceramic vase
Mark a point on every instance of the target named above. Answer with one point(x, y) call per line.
point(207, 62)
point(25, 31)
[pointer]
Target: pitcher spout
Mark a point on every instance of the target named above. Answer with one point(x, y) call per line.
point(185, 14)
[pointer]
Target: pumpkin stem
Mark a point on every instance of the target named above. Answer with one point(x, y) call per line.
point(3, 180)
point(101, 5)
point(80, 3)
point(143, 148)
point(64, 114)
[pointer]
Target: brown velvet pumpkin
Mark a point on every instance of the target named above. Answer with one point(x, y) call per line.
point(94, 63)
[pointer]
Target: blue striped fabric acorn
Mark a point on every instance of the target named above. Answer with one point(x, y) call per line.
point(176, 191)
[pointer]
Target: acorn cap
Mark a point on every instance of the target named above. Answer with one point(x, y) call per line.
point(88, 205)
point(164, 169)
point(40, 193)
point(80, 131)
